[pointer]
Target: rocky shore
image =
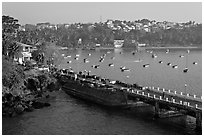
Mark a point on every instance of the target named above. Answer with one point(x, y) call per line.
point(39, 87)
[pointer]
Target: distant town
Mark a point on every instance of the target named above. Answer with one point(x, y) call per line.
point(145, 32)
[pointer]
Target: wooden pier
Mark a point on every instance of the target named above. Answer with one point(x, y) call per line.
point(165, 99)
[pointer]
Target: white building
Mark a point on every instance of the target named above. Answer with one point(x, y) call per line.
point(25, 53)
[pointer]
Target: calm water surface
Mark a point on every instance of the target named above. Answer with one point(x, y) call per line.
point(68, 115)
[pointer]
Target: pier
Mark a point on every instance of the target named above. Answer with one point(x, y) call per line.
point(160, 98)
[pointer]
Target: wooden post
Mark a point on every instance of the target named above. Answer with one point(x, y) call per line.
point(156, 110)
point(160, 97)
point(199, 120)
point(147, 94)
point(188, 95)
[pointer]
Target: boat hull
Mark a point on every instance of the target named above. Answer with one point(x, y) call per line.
point(102, 96)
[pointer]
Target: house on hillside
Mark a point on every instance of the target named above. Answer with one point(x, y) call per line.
point(25, 52)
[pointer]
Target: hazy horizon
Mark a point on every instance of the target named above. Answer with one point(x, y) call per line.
point(91, 12)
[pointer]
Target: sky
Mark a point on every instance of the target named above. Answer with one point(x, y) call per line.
point(90, 12)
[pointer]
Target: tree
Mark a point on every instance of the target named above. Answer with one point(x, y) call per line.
point(9, 32)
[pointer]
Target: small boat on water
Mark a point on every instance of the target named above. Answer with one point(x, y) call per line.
point(146, 65)
point(86, 60)
point(181, 56)
point(169, 64)
point(154, 56)
point(122, 70)
point(69, 62)
point(89, 54)
point(195, 63)
point(167, 51)
point(95, 66)
point(175, 66)
point(112, 57)
point(101, 60)
point(160, 62)
point(185, 70)
point(111, 65)
point(122, 67)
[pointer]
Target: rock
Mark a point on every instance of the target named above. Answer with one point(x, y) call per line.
point(47, 96)
point(38, 105)
point(19, 109)
point(46, 104)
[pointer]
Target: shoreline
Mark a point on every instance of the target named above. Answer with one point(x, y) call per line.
point(172, 47)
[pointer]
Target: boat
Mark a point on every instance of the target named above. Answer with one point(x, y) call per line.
point(118, 43)
point(185, 70)
point(93, 88)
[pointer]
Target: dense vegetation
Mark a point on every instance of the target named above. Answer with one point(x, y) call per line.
point(20, 88)
point(103, 34)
